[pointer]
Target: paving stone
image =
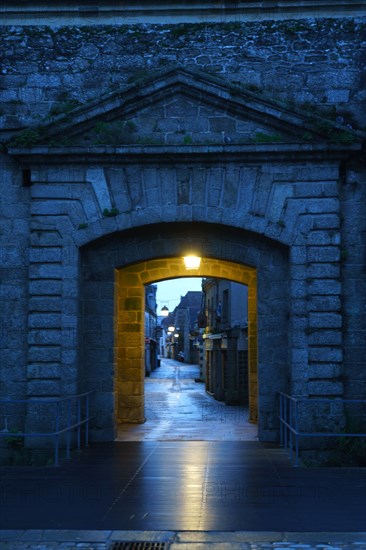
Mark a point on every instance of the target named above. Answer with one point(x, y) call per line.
point(183, 541)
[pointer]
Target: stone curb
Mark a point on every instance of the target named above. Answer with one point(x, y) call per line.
point(182, 537)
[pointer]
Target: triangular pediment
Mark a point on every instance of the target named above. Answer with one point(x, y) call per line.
point(181, 107)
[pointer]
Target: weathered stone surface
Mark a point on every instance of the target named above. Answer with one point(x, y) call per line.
point(44, 320)
point(325, 337)
point(324, 303)
point(323, 254)
point(45, 337)
point(324, 271)
point(46, 353)
point(324, 287)
point(47, 371)
point(324, 371)
point(330, 78)
point(321, 387)
point(325, 320)
point(43, 388)
point(325, 354)
point(45, 287)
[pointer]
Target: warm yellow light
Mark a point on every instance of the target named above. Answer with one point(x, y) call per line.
point(171, 329)
point(192, 262)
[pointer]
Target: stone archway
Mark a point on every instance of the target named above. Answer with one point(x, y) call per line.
point(98, 204)
point(114, 271)
point(129, 328)
point(250, 179)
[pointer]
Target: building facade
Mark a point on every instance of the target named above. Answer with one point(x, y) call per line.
point(179, 343)
point(226, 340)
point(151, 330)
point(186, 315)
point(129, 139)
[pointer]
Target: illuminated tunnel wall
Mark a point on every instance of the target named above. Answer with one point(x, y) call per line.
point(130, 348)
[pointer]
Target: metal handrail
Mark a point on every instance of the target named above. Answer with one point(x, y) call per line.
point(290, 433)
point(60, 428)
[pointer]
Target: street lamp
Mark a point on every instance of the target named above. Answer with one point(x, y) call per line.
point(170, 332)
point(192, 262)
point(164, 312)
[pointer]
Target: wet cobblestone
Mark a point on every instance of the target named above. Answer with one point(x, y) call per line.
point(178, 408)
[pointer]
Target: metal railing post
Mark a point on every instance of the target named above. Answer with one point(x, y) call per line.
point(285, 428)
point(57, 435)
point(290, 425)
point(281, 420)
point(297, 436)
point(68, 436)
point(78, 422)
point(87, 421)
point(74, 420)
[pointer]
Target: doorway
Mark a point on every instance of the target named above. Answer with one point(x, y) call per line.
point(113, 273)
point(129, 332)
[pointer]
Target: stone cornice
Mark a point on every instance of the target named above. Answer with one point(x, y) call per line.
point(249, 153)
point(94, 12)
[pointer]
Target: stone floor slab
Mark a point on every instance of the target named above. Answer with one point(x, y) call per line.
point(194, 488)
point(182, 540)
point(75, 535)
point(147, 536)
point(184, 486)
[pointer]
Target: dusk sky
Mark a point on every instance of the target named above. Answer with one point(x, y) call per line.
point(169, 292)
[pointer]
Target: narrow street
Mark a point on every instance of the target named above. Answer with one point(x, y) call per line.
point(178, 408)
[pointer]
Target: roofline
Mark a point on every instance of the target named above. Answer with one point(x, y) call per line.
point(118, 12)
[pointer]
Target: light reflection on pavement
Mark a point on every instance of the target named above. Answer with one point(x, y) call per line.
point(178, 408)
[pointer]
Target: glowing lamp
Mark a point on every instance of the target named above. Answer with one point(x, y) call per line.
point(164, 312)
point(192, 262)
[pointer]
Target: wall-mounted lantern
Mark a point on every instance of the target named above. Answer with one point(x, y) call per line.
point(192, 262)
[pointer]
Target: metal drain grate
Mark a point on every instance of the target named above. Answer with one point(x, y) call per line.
point(138, 546)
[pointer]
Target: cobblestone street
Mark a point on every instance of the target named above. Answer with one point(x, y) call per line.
point(178, 408)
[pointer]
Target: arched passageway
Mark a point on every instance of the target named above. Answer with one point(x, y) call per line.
point(114, 271)
point(92, 208)
point(130, 284)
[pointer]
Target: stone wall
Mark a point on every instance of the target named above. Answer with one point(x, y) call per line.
point(353, 267)
point(308, 201)
point(46, 71)
point(291, 204)
point(14, 243)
